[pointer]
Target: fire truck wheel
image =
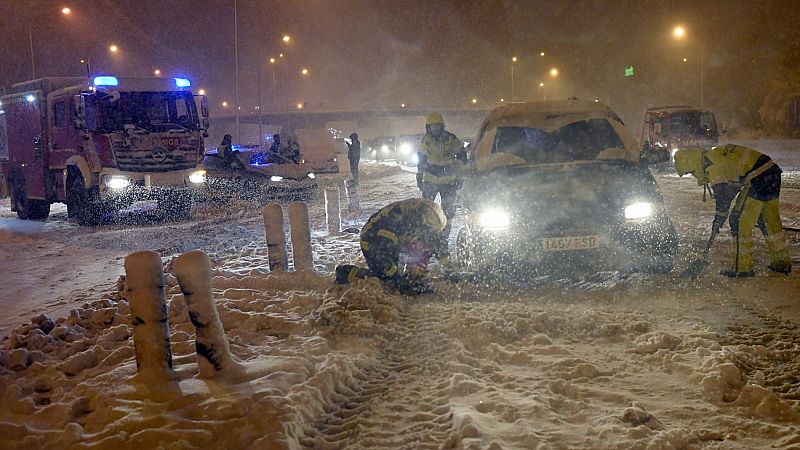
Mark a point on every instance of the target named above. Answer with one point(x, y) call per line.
point(80, 203)
point(28, 209)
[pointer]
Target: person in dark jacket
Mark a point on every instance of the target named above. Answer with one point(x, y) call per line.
point(412, 227)
point(227, 153)
point(354, 155)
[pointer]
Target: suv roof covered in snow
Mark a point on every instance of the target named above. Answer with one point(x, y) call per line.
point(549, 117)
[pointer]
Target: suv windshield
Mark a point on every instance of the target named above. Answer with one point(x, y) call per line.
point(151, 111)
point(577, 141)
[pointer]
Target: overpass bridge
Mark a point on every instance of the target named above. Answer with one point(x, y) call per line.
point(464, 122)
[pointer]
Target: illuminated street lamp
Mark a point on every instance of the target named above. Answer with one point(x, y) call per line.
point(553, 72)
point(224, 104)
point(66, 11)
point(113, 48)
point(202, 92)
point(304, 71)
point(157, 72)
point(541, 53)
point(513, 61)
point(541, 88)
point(474, 101)
point(679, 32)
point(286, 38)
point(402, 105)
point(299, 106)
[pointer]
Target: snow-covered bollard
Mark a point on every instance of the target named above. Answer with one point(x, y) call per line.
point(276, 238)
point(351, 190)
point(333, 212)
point(144, 277)
point(214, 358)
point(301, 237)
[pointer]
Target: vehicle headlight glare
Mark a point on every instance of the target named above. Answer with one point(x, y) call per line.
point(415, 158)
point(275, 178)
point(494, 219)
point(405, 148)
point(385, 148)
point(198, 177)
point(117, 182)
point(311, 175)
point(638, 211)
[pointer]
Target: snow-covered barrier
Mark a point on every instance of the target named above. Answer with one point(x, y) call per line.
point(333, 212)
point(301, 236)
point(214, 358)
point(145, 284)
point(276, 238)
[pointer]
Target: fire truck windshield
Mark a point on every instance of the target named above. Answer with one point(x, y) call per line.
point(692, 123)
point(151, 111)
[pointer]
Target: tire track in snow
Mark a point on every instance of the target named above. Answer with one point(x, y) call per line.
point(404, 402)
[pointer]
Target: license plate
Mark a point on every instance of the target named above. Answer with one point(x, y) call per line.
point(561, 244)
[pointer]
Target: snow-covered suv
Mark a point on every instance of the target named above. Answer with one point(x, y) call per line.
point(561, 185)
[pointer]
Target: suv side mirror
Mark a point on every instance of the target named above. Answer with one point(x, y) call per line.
point(654, 154)
point(78, 110)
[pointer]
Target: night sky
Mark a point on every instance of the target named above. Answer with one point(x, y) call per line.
point(376, 54)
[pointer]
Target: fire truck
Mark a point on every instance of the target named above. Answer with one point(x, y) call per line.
point(101, 144)
point(677, 127)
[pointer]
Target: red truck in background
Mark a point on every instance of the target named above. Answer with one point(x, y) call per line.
point(677, 127)
point(100, 145)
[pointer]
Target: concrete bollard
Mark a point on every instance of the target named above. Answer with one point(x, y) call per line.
point(214, 358)
point(333, 212)
point(301, 237)
point(352, 196)
point(144, 277)
point(276, 238)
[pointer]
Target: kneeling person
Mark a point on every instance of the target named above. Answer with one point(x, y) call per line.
point(412, 227)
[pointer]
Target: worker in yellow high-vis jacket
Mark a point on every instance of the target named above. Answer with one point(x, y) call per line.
point(411, 227)
point(442, 158)
point(731, 170)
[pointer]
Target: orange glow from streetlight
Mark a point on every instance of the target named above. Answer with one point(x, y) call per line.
point(113, 48)
point(224, 104)
point(679, 32)
point(402, 105)
point(299, 106)
point(286, 38)
point(474, 100)
point(553, 72)
point(202, 92)
point(304, 71)
point(514, 59)
point(66, 11)
point(272, 60)
point(541, 53)
point(157, 72)
point(541, 84)
point(684, 59)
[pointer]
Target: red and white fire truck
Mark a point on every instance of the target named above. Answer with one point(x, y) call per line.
point(100, 145)
point(677, 127)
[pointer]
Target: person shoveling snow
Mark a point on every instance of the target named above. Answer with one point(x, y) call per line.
point(411, 227)
point(731, 170)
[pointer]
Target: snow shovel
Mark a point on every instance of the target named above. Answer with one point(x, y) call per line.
point(696, 267)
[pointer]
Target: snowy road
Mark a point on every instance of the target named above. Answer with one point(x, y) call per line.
point(610, 361)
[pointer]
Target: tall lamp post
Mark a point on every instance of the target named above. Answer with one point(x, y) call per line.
point(513, 62)
point(679, 33)
point(66, 11)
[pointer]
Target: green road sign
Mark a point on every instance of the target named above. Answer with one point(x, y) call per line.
point(629, 71)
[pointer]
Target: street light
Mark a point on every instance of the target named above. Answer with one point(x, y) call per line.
point(224, 104)
point(113, 48)
point(202, 92)
point(286, 38)
point(513, 61)
point(304, 71)
point(66, 11)
point(541, 87)
point(299, 106)
point(541, 53)
point(474, 100)
point(157, 72)
point(679, 32)
point(553, 72)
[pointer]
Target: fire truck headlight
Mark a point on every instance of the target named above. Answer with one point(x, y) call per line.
point(275, 178)
point(198, 177)
point(405, 148)
point(117, 182)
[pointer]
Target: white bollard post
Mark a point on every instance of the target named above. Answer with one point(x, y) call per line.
point(276, 238)
point(301, 237)
point(214, 358)
point(333, 212)
point(352, 195)
point(144, 278)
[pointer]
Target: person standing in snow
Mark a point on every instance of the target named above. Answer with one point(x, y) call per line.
point(441, 161)
point(354, 155)
point(412, 227)
point(731, 170)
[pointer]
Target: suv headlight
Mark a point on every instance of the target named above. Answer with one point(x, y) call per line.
point(494, 219)
point(117, 182)
point(198, 177)
point(638, 211)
